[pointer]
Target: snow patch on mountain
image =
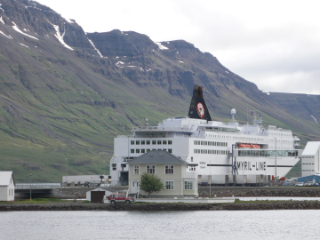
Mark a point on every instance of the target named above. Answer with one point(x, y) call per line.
point(1, 20)
point(23, 45)
point(119, 63)
point(60, 37)
point(15, 27)
point(314, 119)
point(161, 46)
point(8, 36)
point(1, 7)
point(92, 44)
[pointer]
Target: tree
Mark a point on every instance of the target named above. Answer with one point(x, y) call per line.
point(151, 183)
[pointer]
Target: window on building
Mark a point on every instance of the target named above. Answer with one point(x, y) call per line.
point(132, 142)
point(114, 166)
point(169, 185)
point(196, 151)
point(159, 142)
point(170, 150)
point(188, 185)
point(148, 149)
point(143, 142)
point(191, 159)
point(204, 143)
point(192, 168)
point(148, 142)
point(137, 142)
point(169, 142)
point(154, 142)
point(143, 150)
point(164, 142)
point(169, 169)
point(132, 150)
point(137, 150)
point(136, 169)
point(151, 169)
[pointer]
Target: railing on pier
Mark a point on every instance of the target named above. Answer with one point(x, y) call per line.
point(37, 185)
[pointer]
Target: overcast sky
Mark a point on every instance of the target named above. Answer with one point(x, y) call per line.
point(275, 44)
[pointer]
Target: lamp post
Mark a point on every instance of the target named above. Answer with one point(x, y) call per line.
point(67, 172)
point(30, 185)
point(105, 167)
point(276, 154)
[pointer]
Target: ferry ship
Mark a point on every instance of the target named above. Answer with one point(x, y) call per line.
point(220, 153)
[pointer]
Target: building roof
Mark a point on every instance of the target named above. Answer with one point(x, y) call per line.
point(157, 157)
point(311, 148)
point(5, 177)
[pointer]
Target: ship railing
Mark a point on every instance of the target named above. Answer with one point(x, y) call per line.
point(151, 128)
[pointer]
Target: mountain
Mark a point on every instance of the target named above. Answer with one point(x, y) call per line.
point(65, 94)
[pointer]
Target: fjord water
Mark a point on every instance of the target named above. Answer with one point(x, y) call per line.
point(275, 224)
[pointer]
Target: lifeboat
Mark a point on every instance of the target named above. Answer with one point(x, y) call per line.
point(254, 146)
point(244, 145)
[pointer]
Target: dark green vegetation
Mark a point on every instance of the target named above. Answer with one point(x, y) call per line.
point(151, 183)
point(56, 103)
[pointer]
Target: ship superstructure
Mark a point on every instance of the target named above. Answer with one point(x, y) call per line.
point(219, 152)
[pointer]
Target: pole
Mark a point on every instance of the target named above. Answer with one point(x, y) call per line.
point(276, 152)
point(105, 167)
point(67, 172)
point(30, 185)
point(210, 177)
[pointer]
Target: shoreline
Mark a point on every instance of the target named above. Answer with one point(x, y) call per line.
point(238, 206)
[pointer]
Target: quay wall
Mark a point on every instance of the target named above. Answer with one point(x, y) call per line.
point(163, 206)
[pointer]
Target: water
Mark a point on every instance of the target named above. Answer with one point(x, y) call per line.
point(275, 224)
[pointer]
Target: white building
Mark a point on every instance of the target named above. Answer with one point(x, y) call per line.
point(177, 181)
point(97, 194)
point(7, 186)
point(310, 159)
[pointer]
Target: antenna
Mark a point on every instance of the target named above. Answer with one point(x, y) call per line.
point(233, 113)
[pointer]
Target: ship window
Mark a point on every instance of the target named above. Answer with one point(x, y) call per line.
point(159, 142)
point(204, 143)
point(148, 142)
point(154, 142)
point(169, 169)
point(204, 151)
point(143, 150)
point(170, 142)
point(137, 150)
point(164, 142)
point(191, 159)
point(170, 150)
point(132, 150)
point(143, 142)
point(132, 142)
point(196, 142)
point(114, 166)
point(137, 142)
point(196, 151)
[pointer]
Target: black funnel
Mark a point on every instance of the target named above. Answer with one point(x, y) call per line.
point(198, 108)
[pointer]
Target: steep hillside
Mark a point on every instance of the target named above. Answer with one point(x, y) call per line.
point(65, 93)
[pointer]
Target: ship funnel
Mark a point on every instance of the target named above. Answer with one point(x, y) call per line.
point(198, 108)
